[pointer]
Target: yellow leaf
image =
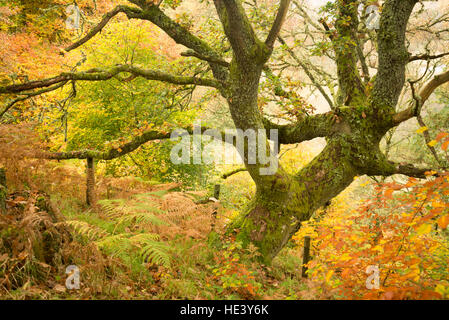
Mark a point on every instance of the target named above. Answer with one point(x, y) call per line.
point(432, 143)
point(422, 130)
point(329, 275)
point(424, 229)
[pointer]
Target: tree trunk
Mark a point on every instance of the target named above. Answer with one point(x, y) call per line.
point(3, 191)
point(276, 212)
point(90, 182)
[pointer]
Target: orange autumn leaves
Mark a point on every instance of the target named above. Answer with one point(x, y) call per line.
point(401, 227)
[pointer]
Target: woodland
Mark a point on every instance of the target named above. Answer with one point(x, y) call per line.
point(349, 100)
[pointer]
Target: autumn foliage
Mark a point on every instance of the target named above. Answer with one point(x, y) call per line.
point(401, 228)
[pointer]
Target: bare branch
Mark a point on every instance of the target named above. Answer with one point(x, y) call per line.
point(104, 21)
point(28, 95)
point(307, 72)
point(428, 56)
point(191, 53)
point(424, 95)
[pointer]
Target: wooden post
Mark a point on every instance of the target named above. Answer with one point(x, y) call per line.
point(217, 191)
point(90, 182)
point(305, 256)
point(216, 197)
point(3, 191)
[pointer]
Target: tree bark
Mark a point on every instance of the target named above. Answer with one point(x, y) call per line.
point(90, 182)
point(3, 191)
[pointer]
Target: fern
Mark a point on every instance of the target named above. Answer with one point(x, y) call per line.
point(152, 250)
point(145, 247)
point(139, 213)
point(140, 218)
point(156, 253)
point(85, 229)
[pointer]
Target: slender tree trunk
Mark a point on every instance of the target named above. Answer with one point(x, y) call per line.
point(90, 182)
point(3, 191)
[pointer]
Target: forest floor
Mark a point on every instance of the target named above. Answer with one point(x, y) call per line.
point(140, 241)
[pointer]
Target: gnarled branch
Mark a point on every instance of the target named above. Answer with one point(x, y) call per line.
point(310, 127)
point(97, 74)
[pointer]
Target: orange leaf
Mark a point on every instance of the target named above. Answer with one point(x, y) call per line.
point(389, 194)
point(441, 135)
point(443, 222)
point(445, 145)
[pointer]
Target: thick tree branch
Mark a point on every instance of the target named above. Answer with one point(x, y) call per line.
point(405, 169)
point(106, 74)
point(277, 25)
point(319, 125)
point(349, 81)
point(248, 50)
point(128, 147)
point(182, 36)
point(110, 154)
point(392, 53)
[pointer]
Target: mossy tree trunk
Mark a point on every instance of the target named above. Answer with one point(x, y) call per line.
point(353, 130)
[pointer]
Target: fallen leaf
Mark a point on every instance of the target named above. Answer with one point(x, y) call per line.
point(59, 288)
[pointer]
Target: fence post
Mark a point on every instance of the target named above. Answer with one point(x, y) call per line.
point(217, 191)
point(216, 197)
point(3, 191)
point(90, 182)
point(305, 256)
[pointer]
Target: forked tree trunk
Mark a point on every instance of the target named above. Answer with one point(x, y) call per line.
point(276, 212)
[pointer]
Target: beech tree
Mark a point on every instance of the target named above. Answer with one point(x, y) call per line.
point(364, 110)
